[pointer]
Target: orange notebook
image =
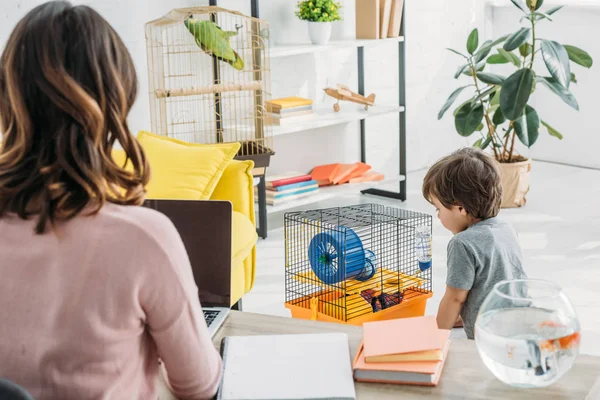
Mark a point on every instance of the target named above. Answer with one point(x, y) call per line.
point(425, 373)
point(404, 339)
point(369, 176)
point(343, 173)
point(357, 171)
point(324, 174)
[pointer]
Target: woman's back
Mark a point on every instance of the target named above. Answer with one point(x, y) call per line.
point(93, 288)
point(75, 305)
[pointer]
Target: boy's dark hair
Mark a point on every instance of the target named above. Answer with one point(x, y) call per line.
point(468, 178)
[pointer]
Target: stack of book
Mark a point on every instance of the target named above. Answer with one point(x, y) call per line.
point(378, 19)
point(289, 187)
point(337, 174)
point(409, 351)
point(287, 110)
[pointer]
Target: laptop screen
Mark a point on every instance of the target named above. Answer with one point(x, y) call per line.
point(205, 228)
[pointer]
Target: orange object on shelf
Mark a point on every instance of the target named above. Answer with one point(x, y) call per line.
point(324, 174)
point(369, 176)
point(360, 168)
point(343, 173)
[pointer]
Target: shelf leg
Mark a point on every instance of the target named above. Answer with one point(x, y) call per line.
point(401, 194)
point(262, 208)
point(361, 91)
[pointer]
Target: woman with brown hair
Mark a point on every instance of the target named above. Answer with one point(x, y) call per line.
point(93, 288)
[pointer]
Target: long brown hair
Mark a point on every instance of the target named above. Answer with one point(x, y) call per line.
point(67, 83)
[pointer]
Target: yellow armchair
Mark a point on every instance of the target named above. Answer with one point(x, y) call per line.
point(236, 186)
point(187, 171)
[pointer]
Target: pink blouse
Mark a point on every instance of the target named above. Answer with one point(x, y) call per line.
point(87, 310)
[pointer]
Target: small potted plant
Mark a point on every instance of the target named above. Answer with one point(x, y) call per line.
point(319, 14)
point(498, 106)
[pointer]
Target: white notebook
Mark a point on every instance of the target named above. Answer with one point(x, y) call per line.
point(286, 367)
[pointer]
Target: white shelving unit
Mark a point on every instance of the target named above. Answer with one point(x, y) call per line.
point(325, 116)
point(328, 192)
point(286, 50)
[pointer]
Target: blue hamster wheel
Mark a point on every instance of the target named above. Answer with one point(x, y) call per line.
point(370, 267)
point(328, 250)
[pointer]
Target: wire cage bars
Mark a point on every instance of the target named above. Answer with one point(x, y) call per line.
point(355, 264)
point(209, 77)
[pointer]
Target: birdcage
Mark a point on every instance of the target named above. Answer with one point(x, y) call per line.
point(355, 264)
point(209, 78)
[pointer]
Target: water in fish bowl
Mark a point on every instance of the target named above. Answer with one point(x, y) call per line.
point(527, 347)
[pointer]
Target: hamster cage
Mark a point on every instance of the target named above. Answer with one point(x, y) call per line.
point(355, 264)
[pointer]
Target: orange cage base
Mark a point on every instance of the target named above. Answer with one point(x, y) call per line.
point(322, 306)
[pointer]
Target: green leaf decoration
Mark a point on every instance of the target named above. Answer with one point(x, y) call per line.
point(483, 51)
point(487, 92)
point(450, 101)
point(519, 5)
point(517, 39)
point(486, 143)
point(579, 56)
point(494, 43)
point(457, 109)
point(473, 41)
point(457, 52)
point(560, 90)
point(573, 78)
point(468, 118)
point(540, 15)
point(510, 57)
point(525, 49)
point(460, 70)
point(490, 79)
point(496, 99)
point(552, 131)
point(553, 10)
point(497, 59)
point(528, 126)
point(557, 61)
point(499, 117)
point(515, 93)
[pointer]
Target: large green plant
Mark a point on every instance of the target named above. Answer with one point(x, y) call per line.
point(498, 108)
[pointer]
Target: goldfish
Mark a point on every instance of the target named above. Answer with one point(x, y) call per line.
point(563, 343)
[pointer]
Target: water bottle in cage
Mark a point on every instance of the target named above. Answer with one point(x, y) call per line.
point(423, 246)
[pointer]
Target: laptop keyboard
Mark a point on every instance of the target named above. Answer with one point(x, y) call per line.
point(209, 316)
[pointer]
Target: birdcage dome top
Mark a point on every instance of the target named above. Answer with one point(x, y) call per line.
point(178, 15)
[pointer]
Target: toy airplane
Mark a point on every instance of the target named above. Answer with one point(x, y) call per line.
point(344, 93)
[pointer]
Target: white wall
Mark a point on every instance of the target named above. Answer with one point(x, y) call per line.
point(431, 27)
point(576, 25)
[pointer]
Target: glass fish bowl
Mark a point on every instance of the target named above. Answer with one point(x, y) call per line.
point(527, 333)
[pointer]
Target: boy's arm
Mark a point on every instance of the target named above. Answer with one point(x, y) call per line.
point(450, 307)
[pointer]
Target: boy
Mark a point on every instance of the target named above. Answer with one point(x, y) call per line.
point(466, 190)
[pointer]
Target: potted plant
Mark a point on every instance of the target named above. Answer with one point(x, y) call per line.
point(498, 108)
point(319, 14)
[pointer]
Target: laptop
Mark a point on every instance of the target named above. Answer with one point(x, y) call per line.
point(205, 228)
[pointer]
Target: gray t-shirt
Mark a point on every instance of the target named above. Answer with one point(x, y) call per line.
point(478, 258)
